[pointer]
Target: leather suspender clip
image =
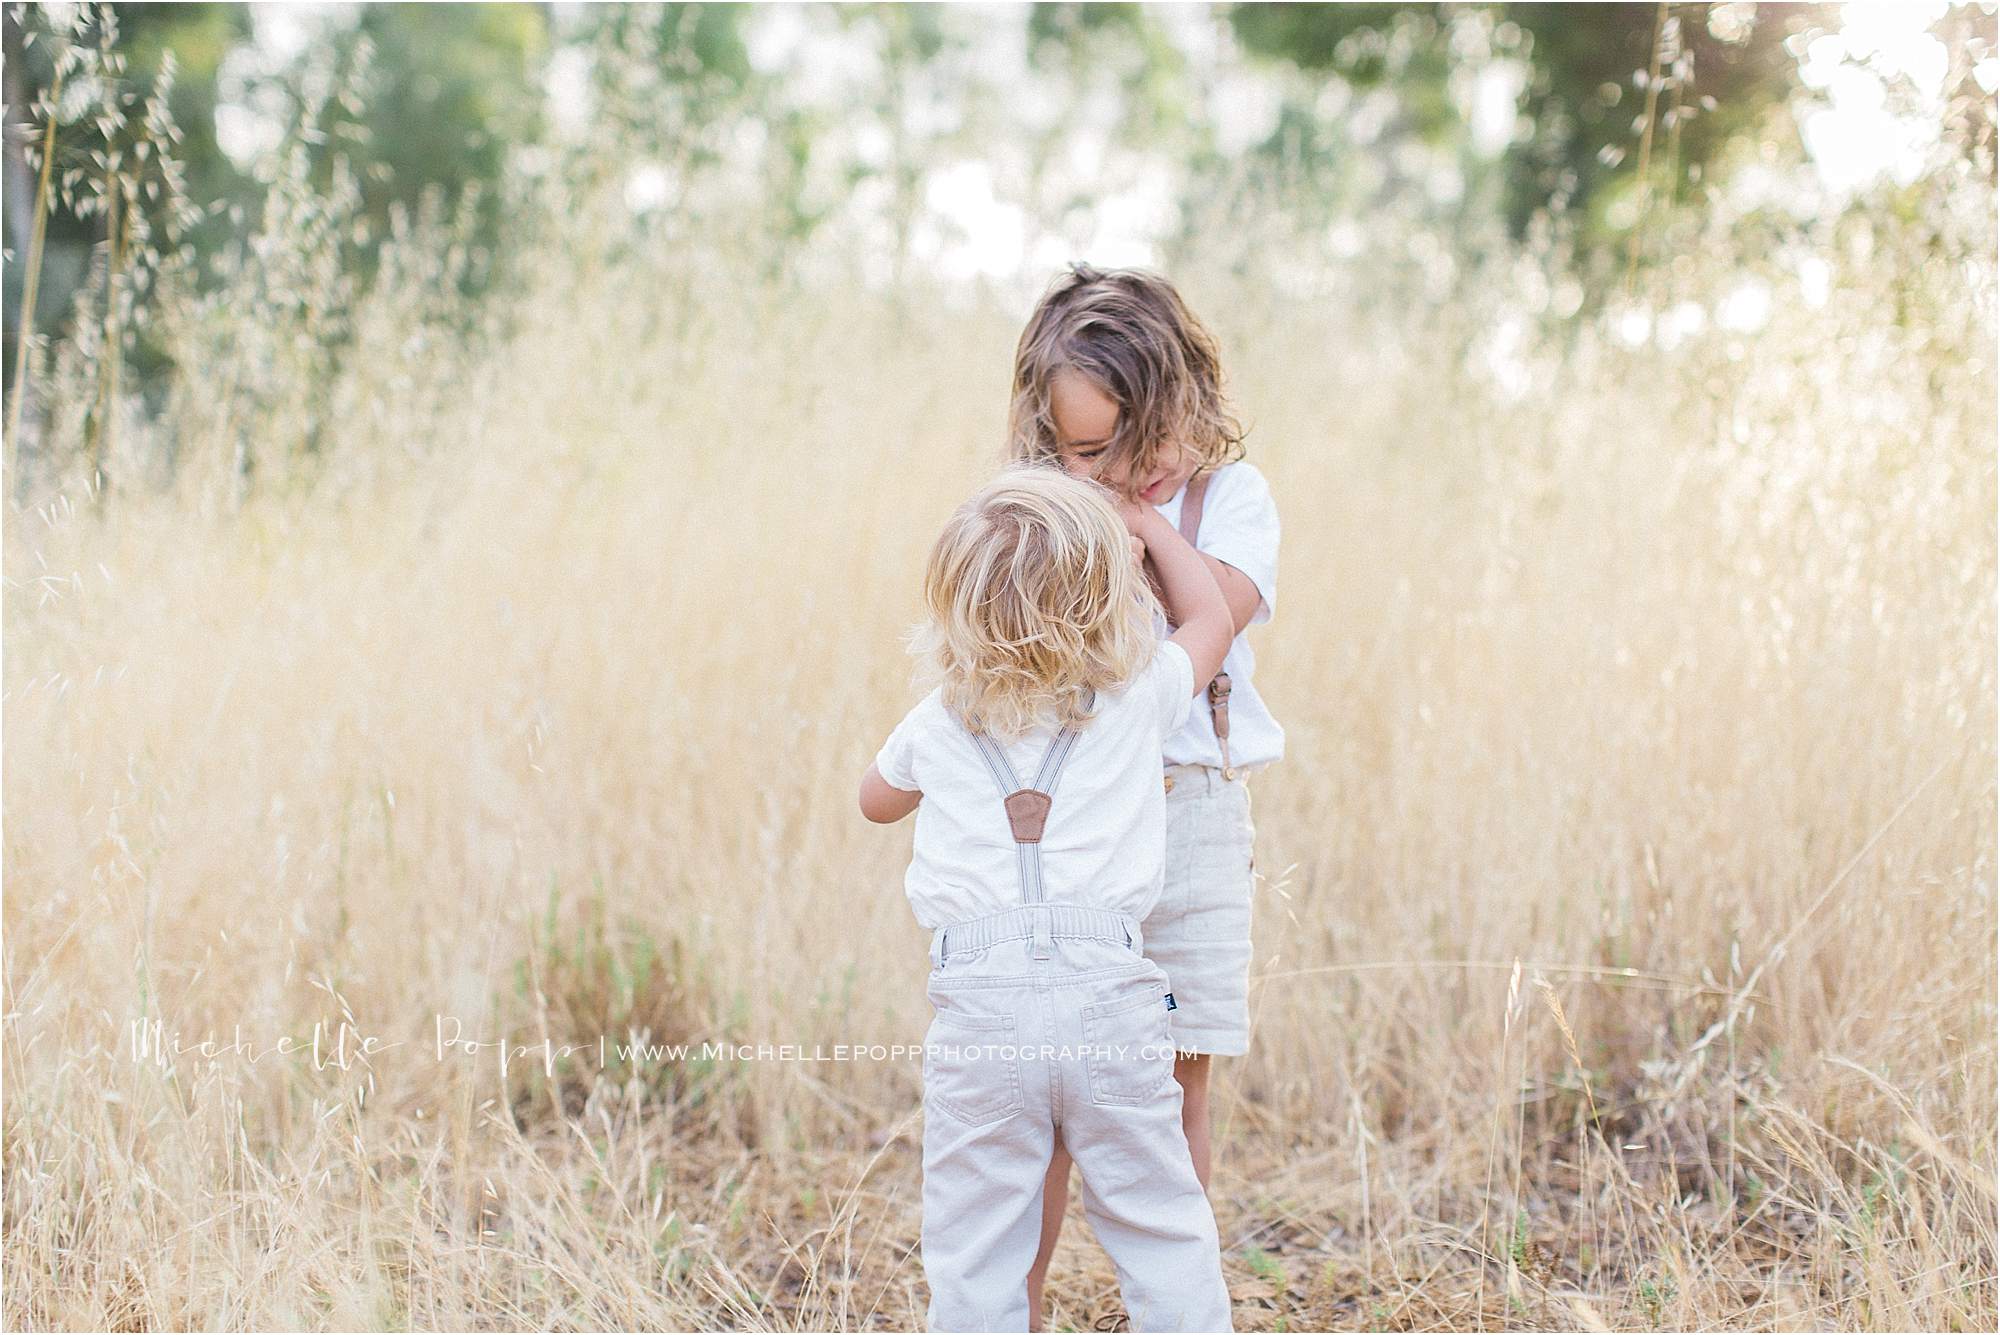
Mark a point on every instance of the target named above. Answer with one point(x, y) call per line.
point(1218, 708)
point(1027, 814)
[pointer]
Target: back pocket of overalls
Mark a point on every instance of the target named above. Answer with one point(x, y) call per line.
point(972, 1066)
point(1127, 1054)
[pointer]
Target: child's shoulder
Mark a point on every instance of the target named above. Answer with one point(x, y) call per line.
point(1152, 691)
point(1239, 496)
point(929, 712)
point(922, 720)
point(1243, 476)
point(914, 737)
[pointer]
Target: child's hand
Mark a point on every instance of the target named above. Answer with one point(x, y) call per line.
point(1134, 514)
point(1138, 550)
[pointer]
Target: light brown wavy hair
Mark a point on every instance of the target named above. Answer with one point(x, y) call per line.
point(1129, 333)
point(1034, 600)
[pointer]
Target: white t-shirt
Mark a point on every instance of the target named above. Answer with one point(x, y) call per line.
point(1105, 842)
point(1239, 527)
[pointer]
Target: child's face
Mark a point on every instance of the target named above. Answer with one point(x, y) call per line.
point(1086, 418)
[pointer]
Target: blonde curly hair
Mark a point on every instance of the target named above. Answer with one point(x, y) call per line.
point(1034, 601)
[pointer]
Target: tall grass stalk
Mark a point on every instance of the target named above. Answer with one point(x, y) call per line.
point(31, 268)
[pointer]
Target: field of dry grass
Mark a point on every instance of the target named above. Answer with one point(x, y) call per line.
point(1626, 929)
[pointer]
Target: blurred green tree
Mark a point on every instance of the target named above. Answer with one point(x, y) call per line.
point(1598, 75)
point(447, 90)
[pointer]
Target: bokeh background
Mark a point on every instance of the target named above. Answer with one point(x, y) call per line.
point(467, 473)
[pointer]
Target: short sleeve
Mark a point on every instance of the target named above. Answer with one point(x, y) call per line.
point(1172, 673)
point(896, 762)
point(1239, 527)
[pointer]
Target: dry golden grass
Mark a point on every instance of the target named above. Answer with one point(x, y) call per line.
point(1626, 932)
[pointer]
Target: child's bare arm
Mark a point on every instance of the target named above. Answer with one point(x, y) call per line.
point(883, 804)
point(1189, 590)
point(1238, 590)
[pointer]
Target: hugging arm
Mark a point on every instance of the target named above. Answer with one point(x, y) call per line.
point(882, 803)
point(1238, 591)
point(1190, 591)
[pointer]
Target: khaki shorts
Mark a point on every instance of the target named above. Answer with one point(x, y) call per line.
point(1199, 932)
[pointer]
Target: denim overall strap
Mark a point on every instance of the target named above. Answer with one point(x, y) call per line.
point(1027, 815)
point(1034, 918)
point(1028, 808)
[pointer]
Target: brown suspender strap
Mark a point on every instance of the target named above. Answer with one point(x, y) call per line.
point(1197, 491)
point(1218, 688)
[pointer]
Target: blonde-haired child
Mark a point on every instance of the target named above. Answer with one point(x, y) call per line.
point(1116, 379)
point(1048, 1014)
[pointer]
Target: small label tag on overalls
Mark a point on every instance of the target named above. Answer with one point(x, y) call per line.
point(1170, 1002)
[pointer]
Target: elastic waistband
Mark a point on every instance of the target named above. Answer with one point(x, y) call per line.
point(1071, 921)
